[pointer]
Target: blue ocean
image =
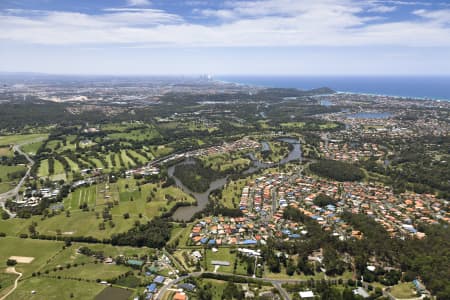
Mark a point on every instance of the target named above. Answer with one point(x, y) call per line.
point(431, 87)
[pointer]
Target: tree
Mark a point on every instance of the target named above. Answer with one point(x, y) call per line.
point(337, 170)
point(11, 262)
point(5, 215)
point(323, 200)
point(274, 264)
point(290, 267)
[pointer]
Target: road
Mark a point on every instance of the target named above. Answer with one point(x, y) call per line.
point(275, 282)
point(12, 270)
point(15, 191)
point(282, 291)
point(164, 289)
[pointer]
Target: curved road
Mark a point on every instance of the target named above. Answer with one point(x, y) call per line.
point(275, 282)
point(15, 191)
point(12, 270)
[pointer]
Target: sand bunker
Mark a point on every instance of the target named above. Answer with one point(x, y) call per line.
point(22, 259)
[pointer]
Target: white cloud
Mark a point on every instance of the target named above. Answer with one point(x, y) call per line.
point(440, 16)
point(274, 23)
point(138, 2)
point(382, 9)
point(407, 3)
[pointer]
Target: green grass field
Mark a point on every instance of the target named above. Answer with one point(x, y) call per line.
point(32, 148)
point(83, 266)
point(98, 163)
point(54, 144)
point(217, 287)
point(279, 150)
point(182, 234)
point(158, 151)
point(20, 139)
point(6, 282)
point(109, 162)
point(136, 135)
point(81, 195)
point(223, 254)
point(49, 256)
point(139, 204)
point(84, 161)
point(73, 166)
point(5, 170)
point(117, 160)
point(15, 226)
point(42, 251)
point(129, 162)
point(43, 168)
point(4, 187)
point(137, 157)
point(7, 184)
point(131, 201)
point(59, 172)
point(52, 288)
point(6, 151)
point(225, 162)
point(329, 125)
point(292, 125)
point(94, 271)
point(403, 290)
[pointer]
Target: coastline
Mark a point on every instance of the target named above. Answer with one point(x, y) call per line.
point(240, 81)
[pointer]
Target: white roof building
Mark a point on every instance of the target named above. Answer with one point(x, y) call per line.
point(306, 295)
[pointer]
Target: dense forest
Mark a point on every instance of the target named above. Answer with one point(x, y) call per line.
point(196, 176)
point(427, 259)
point(337, 170)
point(154, 234)
point(421, 166)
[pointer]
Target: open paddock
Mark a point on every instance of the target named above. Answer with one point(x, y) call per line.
point(20, 138)
point(55, 289)
point(114, 293)
point(6, 151)
point(40, 250)
point(22, 259)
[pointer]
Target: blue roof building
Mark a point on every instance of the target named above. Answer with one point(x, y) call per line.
point(152, 288)
point(249, 242)
point(331, 207)
point(419, 286)
point(159, 279)
point(187, 286)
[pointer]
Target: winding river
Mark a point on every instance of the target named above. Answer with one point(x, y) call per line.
point(185, 213)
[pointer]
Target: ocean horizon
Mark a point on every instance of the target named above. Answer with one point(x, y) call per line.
point(423, 87)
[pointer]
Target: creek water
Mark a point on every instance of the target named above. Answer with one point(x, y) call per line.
point(185, 213)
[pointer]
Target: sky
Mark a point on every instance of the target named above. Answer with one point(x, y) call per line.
point(239, 37)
